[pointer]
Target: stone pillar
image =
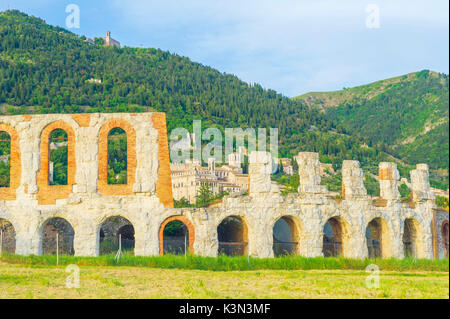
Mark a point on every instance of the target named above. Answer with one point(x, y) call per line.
point(424, 203)
point(260, 168)
point(87, 240)
point(420, 184)
point(352, 181)
point(356, 242)
point(389, 178)
point(309, 172)
point(26, 244)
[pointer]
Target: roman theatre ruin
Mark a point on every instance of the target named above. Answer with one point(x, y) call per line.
point(87, 210)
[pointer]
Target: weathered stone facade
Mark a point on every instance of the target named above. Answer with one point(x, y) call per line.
point(146, 201)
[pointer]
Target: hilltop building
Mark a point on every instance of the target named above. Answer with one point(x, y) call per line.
point(110, 42)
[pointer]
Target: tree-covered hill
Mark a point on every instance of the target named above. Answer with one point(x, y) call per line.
point(47, 69)
point(406, 116)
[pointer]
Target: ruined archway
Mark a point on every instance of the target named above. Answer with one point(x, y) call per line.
point(114, 233)
point(232, 235)
point(57, 235)
point(176, 234)
point(410, 238)
point(286, 236)
point(7, 237)
point(378, 238)
point(121, 180)
point(445, 234)
point(333, 237)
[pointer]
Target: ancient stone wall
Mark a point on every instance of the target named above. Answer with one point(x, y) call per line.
point(146, 200)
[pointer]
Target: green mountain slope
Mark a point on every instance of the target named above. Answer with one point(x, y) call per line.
point(46, 69)
point(406, 116)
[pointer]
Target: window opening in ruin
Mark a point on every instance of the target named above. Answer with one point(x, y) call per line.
point(58, 153)
point(117, 156)
point(5, 159)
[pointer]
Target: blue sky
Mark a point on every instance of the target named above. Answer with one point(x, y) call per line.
point(292, 46)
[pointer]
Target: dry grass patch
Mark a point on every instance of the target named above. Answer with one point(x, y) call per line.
point(19, 281)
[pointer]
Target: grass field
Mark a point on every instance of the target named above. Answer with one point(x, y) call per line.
point(223, 277)
point(28, 281)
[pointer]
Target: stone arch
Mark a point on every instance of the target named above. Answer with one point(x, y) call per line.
point(53, 229)
point(48, 194)
point(378, 238)
point(232, 236)
point(103, 186)
point(412, 238)
point(445, 235)
point(15, 167)
point(7, 236)
point(335, 237)
point(286, 236)
point(186, 222)
point(114, 231)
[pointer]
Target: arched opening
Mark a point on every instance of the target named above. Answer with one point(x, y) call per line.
point(7, 237)
point(445, 232)
point(286, 237)
point(374, 238)
point(57, 235)
point(116, 232)
point(175, 238)
point(117, 156)
point(410, 238)
point(333, 238)
point(232, 236)
point(58, 157)
point(5, 159)
point(176, 235)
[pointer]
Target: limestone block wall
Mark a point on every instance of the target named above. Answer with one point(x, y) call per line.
point(87, 200)
point(146, 200)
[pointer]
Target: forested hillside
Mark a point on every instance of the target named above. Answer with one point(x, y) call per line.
point(405, 116)
point(46, 69)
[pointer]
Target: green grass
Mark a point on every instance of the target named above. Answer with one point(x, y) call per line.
point(225, 263)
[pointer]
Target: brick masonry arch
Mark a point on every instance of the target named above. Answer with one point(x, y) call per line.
point(103, 186)
point(48, 194)
point(186, 222)
point(9, 193)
